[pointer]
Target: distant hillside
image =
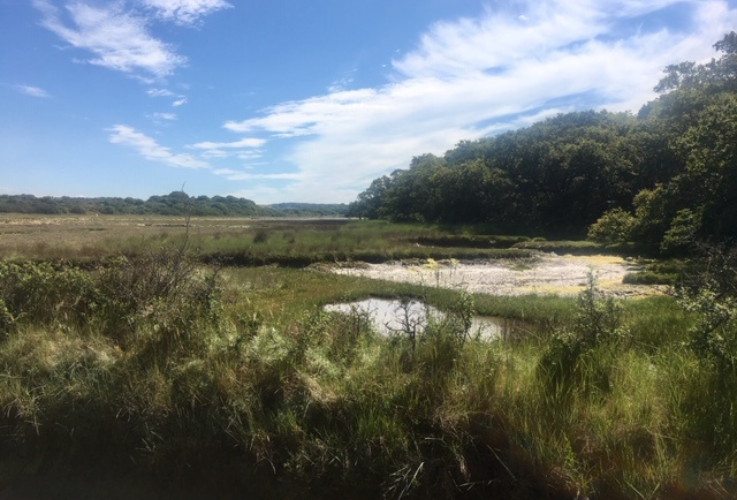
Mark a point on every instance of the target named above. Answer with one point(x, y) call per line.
point(314, 209)
point(175, 203)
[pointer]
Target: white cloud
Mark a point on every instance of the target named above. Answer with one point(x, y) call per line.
point(250, 155)
point(247, 142)
point(236, 175)
point(32, 91)
point(164, 116)
point(118, 39)
point(184, 12)
point(150, 149)
point(245, 149)
point(214, 154)
point(178, 101)
point(159, 93)
point(473, 77)
point(342, 83)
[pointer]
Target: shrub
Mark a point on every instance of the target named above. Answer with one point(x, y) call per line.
point(683, 228)
point(42, 293)
point(164, 290)
point(615, 226)
point(574, 358)
point(713, 300)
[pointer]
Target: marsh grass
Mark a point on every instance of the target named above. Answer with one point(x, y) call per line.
point(319, 401)
point(237, 379)
point(289, 242)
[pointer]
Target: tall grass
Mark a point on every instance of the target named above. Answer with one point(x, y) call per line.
point(237, 379)
point(295, 243)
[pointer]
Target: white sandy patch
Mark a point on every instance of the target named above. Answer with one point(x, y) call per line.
point(548, 274)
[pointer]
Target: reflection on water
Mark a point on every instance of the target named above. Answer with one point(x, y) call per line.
point(393, 316)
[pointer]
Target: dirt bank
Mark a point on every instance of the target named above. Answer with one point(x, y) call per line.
point(546, 274)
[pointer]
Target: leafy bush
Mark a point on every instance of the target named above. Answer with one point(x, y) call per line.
point(576, 355)
point(615, 226)
point(712, 299)
point(42, 293)
point(715, 333)
point(163, 290)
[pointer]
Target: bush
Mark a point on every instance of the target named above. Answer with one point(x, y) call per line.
point(43, 293)
point(163, 290)
point(712, 298)
point(574, 359)
point(165, 294)
point(614, 227)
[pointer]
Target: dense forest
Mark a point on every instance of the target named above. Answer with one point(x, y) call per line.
point(661, 179)
point(175, 203)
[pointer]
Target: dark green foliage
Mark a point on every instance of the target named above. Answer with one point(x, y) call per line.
point(696, 120)
point(556, 175)
point(615, 226)
point(650, 278)
point(310, 209)
point(562, 247)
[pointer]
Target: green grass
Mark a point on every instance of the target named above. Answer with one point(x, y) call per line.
point(233, 377)
point(232, 241)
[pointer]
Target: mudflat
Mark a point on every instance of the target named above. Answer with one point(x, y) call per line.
point(546, 274)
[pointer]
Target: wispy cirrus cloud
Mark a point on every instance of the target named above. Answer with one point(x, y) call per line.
point(184, 12)
point(160, 93)
point(118, 33)
point(32, 91)
point(163, 116)
point(477, 76)
point(244, 149)
point(179, 99)
point(246, 142)
point(150, 149)
point(237, 175)
point(117, 38)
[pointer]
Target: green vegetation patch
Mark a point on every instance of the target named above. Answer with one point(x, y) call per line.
point(240, 374)
point(563, 247)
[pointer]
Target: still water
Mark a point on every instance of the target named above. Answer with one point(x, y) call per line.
point(391, 317)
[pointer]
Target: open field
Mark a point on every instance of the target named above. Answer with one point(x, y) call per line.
point(133, 352)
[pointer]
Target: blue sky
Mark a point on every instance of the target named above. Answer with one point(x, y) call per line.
point(290, 100)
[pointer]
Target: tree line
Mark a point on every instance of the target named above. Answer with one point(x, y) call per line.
point(175, 203)
point(662, 178)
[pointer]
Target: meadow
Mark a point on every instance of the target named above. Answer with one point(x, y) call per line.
point(195, 357)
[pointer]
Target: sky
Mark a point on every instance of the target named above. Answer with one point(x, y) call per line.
point(308, 101)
